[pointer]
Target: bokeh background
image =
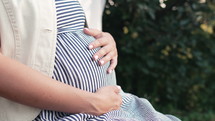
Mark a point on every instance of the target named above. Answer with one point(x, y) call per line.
point(166, 53)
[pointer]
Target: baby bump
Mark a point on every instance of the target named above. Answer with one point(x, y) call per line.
point(74, 64)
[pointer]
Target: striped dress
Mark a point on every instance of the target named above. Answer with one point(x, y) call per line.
point(74, 66)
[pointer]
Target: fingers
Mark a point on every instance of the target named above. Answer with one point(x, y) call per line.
point(117, 105)
point(102, 39)
point(114, 88)
point(117, 89)
point(111, 96)
point(106, 53)
point(118, 101)
point(101, 42)
point(113, 64)
point(92, 32)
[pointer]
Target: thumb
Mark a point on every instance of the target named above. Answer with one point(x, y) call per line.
point(117, 89)
point(92, 32)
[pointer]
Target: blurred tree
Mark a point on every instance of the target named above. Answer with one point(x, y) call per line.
point(166, 50)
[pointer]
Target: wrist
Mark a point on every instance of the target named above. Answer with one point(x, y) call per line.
point(93, 104)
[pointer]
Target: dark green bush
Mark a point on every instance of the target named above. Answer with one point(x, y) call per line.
point(166, 54)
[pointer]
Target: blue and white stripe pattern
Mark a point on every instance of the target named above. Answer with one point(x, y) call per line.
point(69, 15)
point(73, 63)
point(74, 66)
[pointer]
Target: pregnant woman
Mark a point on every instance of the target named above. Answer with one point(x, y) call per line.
point(84, 91)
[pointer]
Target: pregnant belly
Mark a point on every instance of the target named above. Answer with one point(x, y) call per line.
point(74, 64)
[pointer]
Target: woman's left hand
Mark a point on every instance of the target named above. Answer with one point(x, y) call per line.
point(108, 52)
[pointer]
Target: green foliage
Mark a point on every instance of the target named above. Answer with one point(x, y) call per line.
point(166, 51)
point(196, 116)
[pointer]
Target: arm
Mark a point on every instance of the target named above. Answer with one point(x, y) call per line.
point(108, 50)
point(27, 86)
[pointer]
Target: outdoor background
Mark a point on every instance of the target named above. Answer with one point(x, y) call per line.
point(166, 53)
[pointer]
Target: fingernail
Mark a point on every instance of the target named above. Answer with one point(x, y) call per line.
point(101, 62)
point(109, 71)
point(119, 87)
point(96, 57)
point(90, 47)
point(86, 29)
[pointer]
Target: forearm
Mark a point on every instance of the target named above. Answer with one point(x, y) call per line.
point(27, 86)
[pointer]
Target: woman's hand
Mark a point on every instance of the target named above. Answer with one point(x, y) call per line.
point(106, 99)
point(108, 50)
point(24, 85)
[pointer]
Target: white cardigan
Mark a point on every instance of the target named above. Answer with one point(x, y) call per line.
point(28, 35)
point(93, 10)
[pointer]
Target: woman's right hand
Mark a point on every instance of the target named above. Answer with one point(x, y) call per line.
point(107, 99)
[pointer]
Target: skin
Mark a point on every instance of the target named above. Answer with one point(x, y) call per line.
point(108, 50)
point(30, 87)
